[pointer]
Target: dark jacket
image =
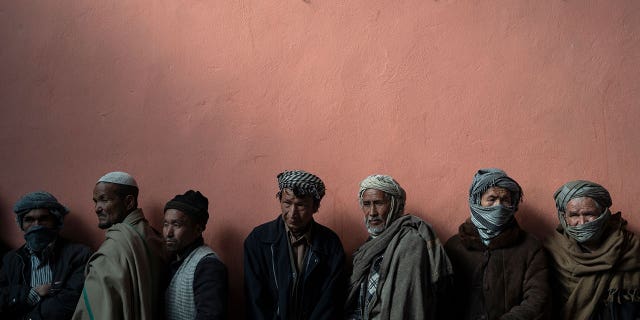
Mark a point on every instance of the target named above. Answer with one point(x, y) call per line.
point(67, 265)
point(506, 280)
point(210, 284)
point(268, 275)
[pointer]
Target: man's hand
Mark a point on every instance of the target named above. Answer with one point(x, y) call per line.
point(43, 290)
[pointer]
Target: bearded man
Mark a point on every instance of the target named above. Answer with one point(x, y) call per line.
point(595, 259)
point(43, 278)
point(401, 271)
point(501, 271)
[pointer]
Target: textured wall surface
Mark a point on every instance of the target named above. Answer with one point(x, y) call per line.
point(220, 96)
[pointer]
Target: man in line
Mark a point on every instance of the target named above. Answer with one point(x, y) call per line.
point(402, 271)
point(43, 278)
point(500, 270)
point(595, 260)
point(293, 266)
point(198, 288)
point(124, 277)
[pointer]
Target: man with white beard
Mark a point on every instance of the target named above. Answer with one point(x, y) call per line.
point(401, 271)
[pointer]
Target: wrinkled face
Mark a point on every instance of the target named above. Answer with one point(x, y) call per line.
point(580, 211)
point(376, 206)
point(496, 196)
point(38, 217)
point(297, 213)
point(179, 230)
point(110, 207)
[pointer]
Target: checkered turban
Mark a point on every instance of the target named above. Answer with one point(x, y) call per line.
point(305, 182)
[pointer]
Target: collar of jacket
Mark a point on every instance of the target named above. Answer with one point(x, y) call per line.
point(471, 240)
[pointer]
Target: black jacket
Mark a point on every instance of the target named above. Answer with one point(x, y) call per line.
point(268, 276)
point(67, 265)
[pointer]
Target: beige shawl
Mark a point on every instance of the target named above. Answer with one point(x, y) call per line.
point(123, 278)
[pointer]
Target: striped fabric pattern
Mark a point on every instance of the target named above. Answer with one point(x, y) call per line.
point(40, 274)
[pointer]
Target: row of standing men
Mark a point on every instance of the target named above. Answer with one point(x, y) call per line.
point(294, 267)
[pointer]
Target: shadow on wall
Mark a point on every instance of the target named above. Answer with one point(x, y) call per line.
point(234, 239)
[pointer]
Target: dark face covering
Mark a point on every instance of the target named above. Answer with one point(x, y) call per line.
point(39, 237)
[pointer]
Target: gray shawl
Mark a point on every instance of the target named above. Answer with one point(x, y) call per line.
point(414, 261)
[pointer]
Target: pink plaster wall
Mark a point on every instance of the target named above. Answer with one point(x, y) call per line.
point(220, 96)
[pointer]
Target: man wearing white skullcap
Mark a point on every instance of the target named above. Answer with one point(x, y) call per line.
point(293, 266)
point(402, 271)
point(124, 277)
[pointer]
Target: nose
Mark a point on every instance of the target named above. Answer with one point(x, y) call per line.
point(372, 211)
point(581, 220)
point(169, 232)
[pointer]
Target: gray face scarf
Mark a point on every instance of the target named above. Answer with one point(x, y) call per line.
point(491, 221)
point(591, 230)
point(579, 189)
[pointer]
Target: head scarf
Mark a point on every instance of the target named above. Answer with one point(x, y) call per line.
point(389, 186)
point(39, 200)
point(302, 183)
point(192, 203)
point(490, 221)
point(119, 177)
point(579, 189)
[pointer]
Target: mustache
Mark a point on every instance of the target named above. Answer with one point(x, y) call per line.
point(374, 219)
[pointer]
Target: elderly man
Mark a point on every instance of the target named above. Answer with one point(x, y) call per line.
point(293, 266)
point(43, 278)
point(501, 271)
point(124, 277)
point(402, 271)
point(595, 260)
point(198, 287)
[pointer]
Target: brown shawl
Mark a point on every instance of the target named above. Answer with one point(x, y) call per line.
point(585, 279)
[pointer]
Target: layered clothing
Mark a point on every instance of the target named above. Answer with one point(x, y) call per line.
point(412, 274)
point(506, 279)
point(125, 277)
point(66, 260)
point(596, 284)
point(199, 287)
point(272, 285)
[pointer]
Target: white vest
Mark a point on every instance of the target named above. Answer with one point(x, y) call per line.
point(179, 295)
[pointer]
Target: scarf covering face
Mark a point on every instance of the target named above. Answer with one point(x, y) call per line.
point(391, 187)
point(303, 181)
point(491, 221)
point(580, 189)
point(585, 280)
point(39, 200)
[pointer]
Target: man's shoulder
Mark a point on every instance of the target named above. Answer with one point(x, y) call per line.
point(66, 245)
point(267, 231)
point(324, 232)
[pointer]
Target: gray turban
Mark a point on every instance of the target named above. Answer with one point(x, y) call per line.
point(389, 186)
point(485, 179)
point(301, 183)
point(39, 200)
point(579, 189)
